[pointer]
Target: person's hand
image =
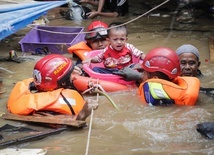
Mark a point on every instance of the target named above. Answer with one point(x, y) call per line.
point(137, 66)
point(142, 56)
point(77, 70)
point(91, 104)
point(87, 61)
point(129, 74)
point(87, 108)
point(92, 14)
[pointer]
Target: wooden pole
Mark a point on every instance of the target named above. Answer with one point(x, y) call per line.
point(211, 47)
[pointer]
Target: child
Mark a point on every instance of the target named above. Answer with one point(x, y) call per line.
point(94, 40)
point(162, 84)
point(118, 54)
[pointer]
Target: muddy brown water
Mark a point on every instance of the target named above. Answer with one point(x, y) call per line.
point(136, 129)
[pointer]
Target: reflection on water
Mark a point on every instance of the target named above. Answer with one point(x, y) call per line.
point(136, 129)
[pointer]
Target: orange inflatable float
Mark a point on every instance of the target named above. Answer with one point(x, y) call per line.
point(82, 83)
point(109, 82)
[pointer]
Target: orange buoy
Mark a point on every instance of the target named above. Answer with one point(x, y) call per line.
point(83, 83)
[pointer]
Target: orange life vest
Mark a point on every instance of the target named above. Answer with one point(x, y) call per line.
point(182, 91)
point(22, 101)
point(81, 49)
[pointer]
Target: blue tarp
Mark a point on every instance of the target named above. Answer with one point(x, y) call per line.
point(14, 17)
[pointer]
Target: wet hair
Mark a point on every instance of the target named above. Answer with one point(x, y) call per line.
point(117, 26)
point(160, 75)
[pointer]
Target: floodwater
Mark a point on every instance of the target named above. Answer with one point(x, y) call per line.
point(136, 129)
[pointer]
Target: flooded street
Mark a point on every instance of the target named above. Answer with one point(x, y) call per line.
point(136, 129)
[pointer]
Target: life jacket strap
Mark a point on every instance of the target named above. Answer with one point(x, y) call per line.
point(67, 102)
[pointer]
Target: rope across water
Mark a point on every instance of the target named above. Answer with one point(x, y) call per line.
point(130, 21)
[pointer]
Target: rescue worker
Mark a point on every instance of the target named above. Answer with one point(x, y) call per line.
point(50, 90)
point(96, 40)
point(160, 83)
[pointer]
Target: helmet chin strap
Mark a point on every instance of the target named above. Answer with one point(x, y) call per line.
point(65, 82)
point(32, 87)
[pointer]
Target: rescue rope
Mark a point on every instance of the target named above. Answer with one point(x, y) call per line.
point(107, 28)
point(108, 97)
point(1, 114)
point(94, 88)
point(90, 126)
point(89, 132)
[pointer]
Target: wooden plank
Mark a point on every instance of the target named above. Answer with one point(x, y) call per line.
point(16, 136)
point(49, 119)
point(211, 47)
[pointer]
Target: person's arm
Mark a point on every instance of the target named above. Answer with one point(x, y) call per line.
point(100, 5)
point(99, 10)
point(93, 60)
point(100, 13)
point(87, 108)
point(103, 14)
point(96, 59)
point(130, 74)
point(92, 2)
point(136, 52)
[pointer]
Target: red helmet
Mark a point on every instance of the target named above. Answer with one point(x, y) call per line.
point(52, 72)
point(164, 60)
point(99, 27)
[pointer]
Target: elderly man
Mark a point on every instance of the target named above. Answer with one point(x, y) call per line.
point(189, 60)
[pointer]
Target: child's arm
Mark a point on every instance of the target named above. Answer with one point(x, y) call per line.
point(136, 52)
point(143, 55)
point(89, 60)
point(96, 59)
